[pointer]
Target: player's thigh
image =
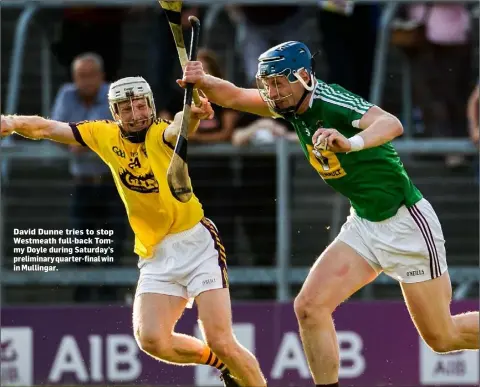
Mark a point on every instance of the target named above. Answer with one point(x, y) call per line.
point(417, 258)
point(215, 315)
point(207, 269)
point(411, 246)
point(428, 303)
point(338, 273)
point(155, 316)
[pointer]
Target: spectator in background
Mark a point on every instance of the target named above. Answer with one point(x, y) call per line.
point(264, 26)
point(474, 122)
point(220, 128)
point(256, 201)
point(95, 204)
point(349, 34)
point(442, 70)
point(91, 29)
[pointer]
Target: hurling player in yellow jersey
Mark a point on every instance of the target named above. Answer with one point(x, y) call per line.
point(181, 256)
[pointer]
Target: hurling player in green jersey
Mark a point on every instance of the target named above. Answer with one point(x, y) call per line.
point(391, 227)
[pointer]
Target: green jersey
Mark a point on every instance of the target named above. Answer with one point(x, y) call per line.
point(374, 179)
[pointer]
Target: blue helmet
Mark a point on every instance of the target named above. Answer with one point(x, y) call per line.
point(285, 59)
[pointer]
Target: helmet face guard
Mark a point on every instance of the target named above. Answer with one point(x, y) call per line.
point(128, 90)
point(115, 108)
point(276, 90)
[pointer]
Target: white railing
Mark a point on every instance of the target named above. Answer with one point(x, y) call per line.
point(283, 275)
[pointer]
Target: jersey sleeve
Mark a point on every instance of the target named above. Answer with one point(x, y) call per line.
point(157, 133)
point(341, 107)
point(87, 133)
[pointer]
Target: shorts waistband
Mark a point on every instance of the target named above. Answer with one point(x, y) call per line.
point(182, 234)
point(401, 213)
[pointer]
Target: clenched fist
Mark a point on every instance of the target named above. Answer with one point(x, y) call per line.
point(193, 73)
point(332, 140)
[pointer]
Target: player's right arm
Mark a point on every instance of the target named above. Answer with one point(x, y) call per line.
point(224, 93)
point(38, 128)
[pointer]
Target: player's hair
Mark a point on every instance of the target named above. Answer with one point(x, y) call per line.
point(211, 59)
point(97, 59)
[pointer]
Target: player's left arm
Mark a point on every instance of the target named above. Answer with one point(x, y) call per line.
point(204, 112)
point(378, 127)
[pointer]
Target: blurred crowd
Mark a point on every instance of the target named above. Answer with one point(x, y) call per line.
point(89, 47)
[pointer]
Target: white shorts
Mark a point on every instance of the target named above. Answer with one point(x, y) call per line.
point(408, 247)
point(185, 264)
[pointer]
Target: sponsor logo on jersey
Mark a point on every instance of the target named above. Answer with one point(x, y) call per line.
point(139, 183)
point(323, 160)
point(330, 175)
point(326, 163)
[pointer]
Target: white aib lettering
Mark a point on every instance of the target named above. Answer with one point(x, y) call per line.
point(290, 356)
point(121, 360)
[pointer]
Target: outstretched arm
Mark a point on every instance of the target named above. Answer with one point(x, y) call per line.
point(38, 128)
point(228, 95)
point(224, 93)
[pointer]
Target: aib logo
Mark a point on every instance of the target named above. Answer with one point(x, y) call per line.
point(16, 356)
point(118, 152)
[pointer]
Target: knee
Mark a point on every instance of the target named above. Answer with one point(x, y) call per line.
point(155, 344)
point(310, 310)
point(439, 342)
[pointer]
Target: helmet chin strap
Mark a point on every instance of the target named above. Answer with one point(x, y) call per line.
point(308, 89)
point(300, 101)
point(135, 137)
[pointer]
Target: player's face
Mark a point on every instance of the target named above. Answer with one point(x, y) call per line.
point(281, 91)
point(135, 115)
